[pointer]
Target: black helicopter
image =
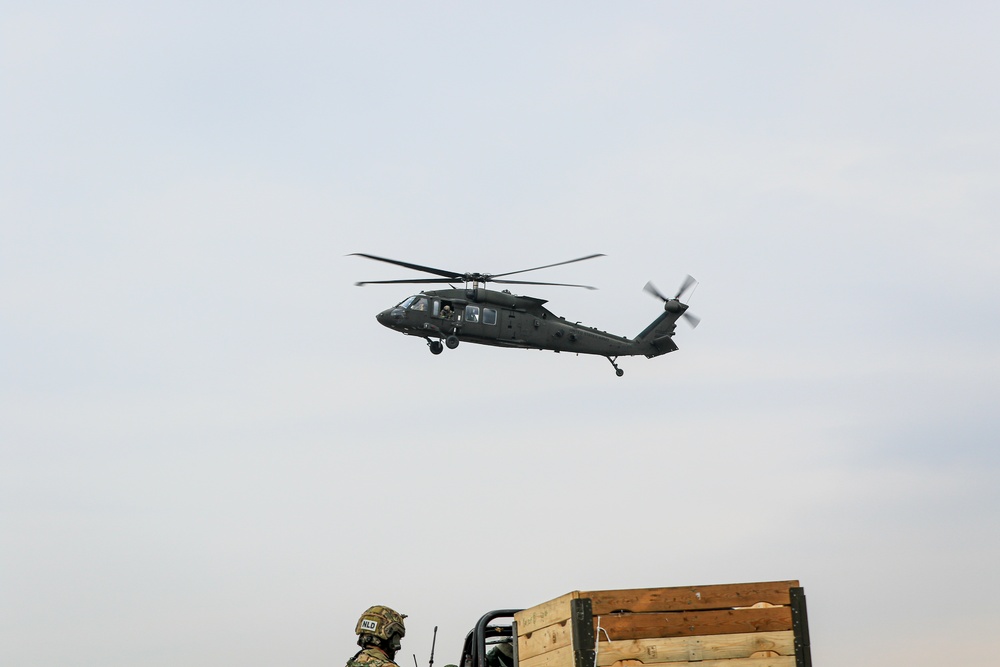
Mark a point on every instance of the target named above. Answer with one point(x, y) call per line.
point(477, 315)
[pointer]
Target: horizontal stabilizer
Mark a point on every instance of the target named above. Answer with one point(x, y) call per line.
point(665, 343)
point(661, 345)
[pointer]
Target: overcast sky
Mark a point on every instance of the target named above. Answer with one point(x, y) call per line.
point(211, 453)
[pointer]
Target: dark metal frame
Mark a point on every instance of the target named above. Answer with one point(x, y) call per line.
point(800, 627)
point(481, 631)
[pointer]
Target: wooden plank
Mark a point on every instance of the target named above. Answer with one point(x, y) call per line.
point(544, 640)
point(725, 596)
point(683, 649)
point(560, 657)
point(689, 623)
point(778, 661)
point(721, 651)
point(547, 613)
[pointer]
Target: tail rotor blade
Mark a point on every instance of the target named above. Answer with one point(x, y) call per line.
point(692, 319)
point(651, 288)
point(685, 286)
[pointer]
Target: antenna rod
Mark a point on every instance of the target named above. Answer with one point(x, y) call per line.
point(415, 660)
point(433, 642)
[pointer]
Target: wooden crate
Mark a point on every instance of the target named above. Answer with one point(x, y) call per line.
point(730, 625)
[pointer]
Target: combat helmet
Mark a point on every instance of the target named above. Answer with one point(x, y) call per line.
point(382, 623)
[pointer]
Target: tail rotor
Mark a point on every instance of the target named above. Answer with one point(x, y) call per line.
point(674, 304)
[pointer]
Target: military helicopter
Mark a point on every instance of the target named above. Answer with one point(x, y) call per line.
point(475, 314)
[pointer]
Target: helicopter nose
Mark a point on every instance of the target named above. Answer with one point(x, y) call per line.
point(390, 316)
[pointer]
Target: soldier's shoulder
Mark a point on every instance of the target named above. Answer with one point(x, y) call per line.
point(371, 658)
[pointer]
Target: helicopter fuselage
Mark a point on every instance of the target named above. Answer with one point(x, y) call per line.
point(486, 317)
point(502, 319)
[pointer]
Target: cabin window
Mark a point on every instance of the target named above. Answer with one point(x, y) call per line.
point(472, 313)
point(444, 309)
point(419, 304)
point(489, 316)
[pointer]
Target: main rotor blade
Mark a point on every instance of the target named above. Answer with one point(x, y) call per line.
point(531, 282)
point(685, 285)
point(569, 261)
point(651, 288)
point(416, 267)
point(415, 281)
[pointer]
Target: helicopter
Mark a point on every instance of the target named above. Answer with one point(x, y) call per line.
point(475, 314)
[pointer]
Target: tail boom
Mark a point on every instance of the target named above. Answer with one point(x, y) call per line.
point(658, 338)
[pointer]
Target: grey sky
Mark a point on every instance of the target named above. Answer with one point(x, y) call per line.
point(211, 453)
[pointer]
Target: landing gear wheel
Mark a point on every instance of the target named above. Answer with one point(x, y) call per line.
point(619, 372)
point(436, 346)
point(451, 341)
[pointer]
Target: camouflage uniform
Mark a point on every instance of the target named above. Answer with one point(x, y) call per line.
point(501, 655)
point(372, 656)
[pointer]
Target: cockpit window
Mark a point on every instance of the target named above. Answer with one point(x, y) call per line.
point(419, 304)
point(407, 302)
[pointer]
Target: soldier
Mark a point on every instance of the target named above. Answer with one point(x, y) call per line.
point(379, 631)
point(501, 655)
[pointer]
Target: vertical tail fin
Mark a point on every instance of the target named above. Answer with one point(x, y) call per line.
point(658, 337)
